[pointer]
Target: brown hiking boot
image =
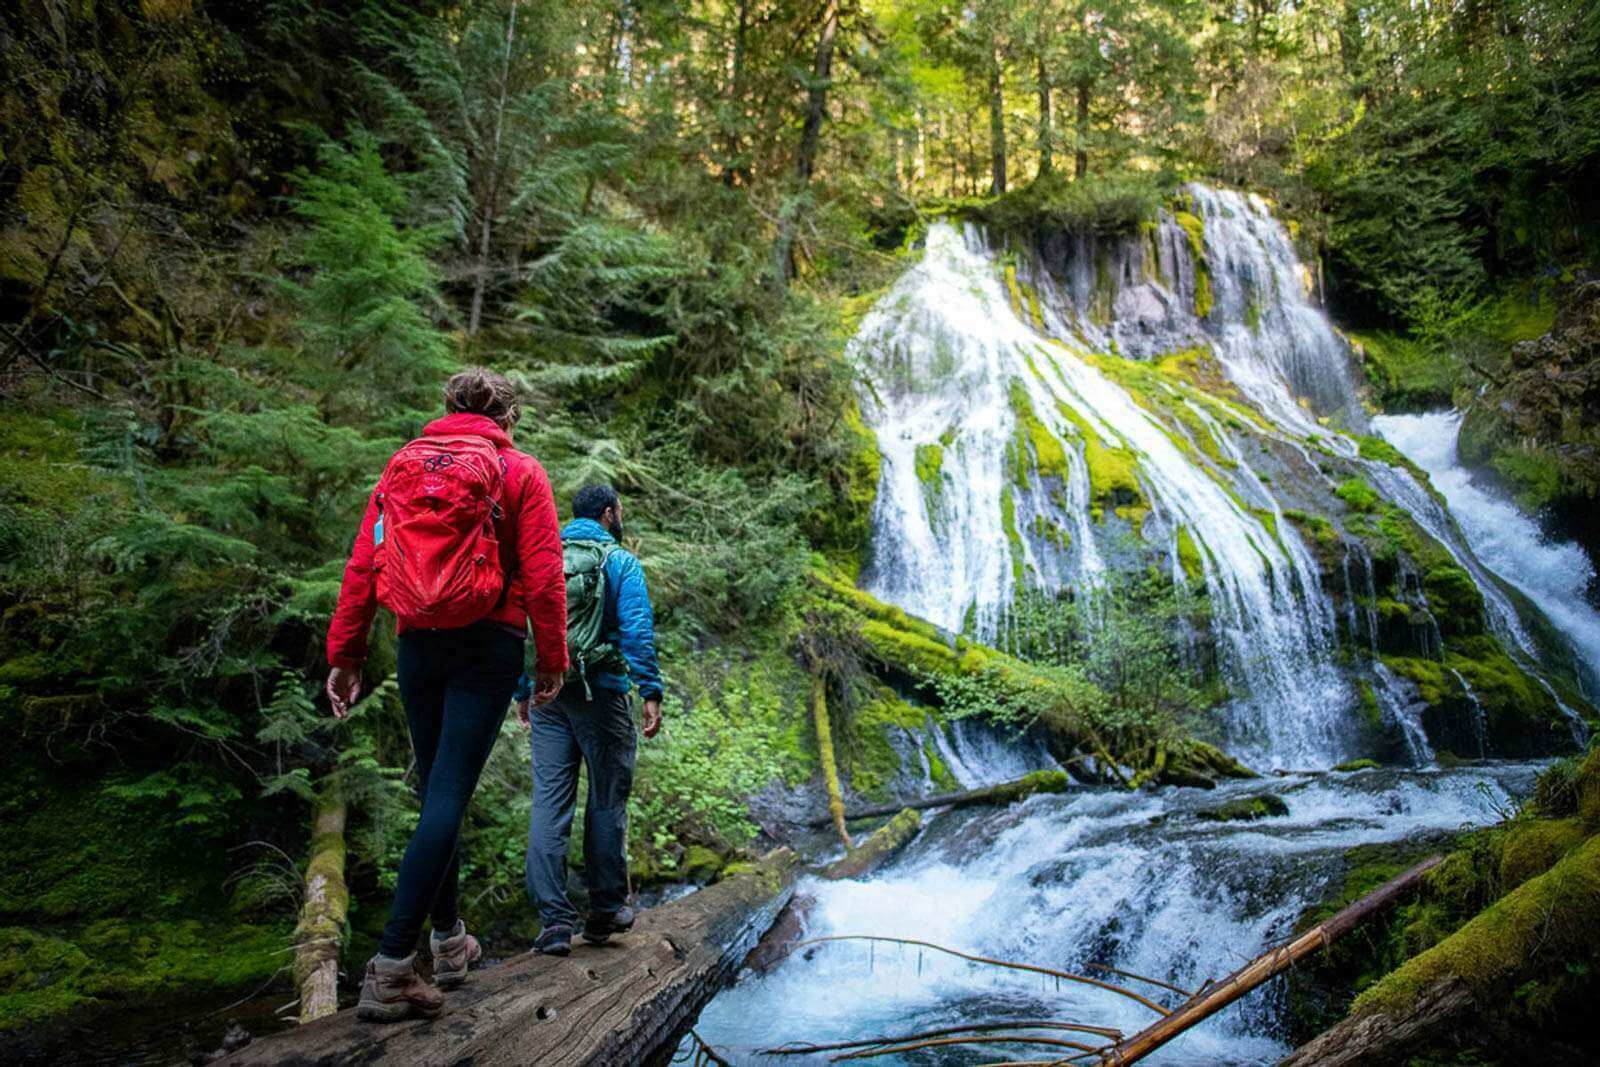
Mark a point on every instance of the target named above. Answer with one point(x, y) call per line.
point(392, 990)
point(452, 955)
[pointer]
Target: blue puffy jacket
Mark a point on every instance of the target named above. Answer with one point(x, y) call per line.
point(629, 619)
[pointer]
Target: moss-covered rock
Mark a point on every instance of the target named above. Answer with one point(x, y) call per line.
point(1246, 809)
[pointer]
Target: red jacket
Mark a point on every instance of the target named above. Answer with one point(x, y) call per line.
point(537, 596)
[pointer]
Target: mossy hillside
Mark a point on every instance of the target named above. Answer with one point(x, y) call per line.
point(1502, 912)
point(1520, 718)
point(918, 654)
point(843, 528)
point(46, 972)
point(1533, 954)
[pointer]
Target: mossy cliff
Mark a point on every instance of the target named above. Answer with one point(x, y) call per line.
point(1512, 915)
point(917, 657)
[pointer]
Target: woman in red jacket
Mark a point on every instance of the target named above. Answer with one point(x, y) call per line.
point(455, 680)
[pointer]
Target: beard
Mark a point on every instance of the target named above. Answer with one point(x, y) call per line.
point(615, 530)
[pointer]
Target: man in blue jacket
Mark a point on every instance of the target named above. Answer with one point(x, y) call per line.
point(591, 720)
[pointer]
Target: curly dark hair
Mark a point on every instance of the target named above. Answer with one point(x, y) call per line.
point(591, 501)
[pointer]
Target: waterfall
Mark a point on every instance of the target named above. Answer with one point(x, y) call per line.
point(1555, 575)
point(1013, 458)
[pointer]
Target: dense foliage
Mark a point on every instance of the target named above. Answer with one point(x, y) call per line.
point(241, 246)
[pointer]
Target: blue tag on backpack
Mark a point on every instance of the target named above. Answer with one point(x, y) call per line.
point(377, 532)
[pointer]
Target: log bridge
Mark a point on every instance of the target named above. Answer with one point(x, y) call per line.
point(626, 1002)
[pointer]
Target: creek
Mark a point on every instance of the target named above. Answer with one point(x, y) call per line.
point(1048, 411)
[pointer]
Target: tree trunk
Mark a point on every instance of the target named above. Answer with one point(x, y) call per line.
point(491, 199)
point(624, 1002)
point(1046, 134)
point(320, 933)
point(810, 137)
point(1080, 155)
point(731, 171)
point(830, 769)
point(997, 127)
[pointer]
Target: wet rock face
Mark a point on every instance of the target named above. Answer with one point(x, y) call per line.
point(1539, 427)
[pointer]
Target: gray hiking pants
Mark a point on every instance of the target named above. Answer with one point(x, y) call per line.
point(599, 732)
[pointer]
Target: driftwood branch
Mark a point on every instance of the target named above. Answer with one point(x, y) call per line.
point(1003, 793)
point(1217, 995)
point(1009, 964)
point(807, 1049)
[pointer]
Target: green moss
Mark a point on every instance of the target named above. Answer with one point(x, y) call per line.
point(938, 771)
point(700, 865)
point(1049, 456)
point(1321, 531)
point(46, 974)
point(1376, 448)
point(1246, 809)
point(1051, 532)
point(1358, 764)
point(842, 526)
point(1406, 374)
point(1113, 471)
point(1553, 917)
point(1359, 495)
point(1533, 846)
point(930, 466)
point(1534, 476)
point(1189, 555)
point(871, 760)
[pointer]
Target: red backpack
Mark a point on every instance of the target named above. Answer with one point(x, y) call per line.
point(435, 549)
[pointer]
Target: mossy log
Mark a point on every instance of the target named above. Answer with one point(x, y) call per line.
point(1004, 793)
point(320, 933)
point(1429, 999)
point(1061, 702)
point(825, 755)
point(625, 1002)
point(885, 841)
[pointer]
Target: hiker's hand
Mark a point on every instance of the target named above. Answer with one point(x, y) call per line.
point(546, 684)
point(523, 707)
point(651, 723)
point(344, 685)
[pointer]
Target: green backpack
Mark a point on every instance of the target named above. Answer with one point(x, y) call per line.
point(587, 648)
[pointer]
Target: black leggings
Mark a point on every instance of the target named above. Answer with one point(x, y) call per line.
point(456, 686)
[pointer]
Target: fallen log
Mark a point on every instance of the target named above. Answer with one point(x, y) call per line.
point(885, 841)
point(624, 1002)
point(1215, 996)
point(1003, 793)
point(320, 932)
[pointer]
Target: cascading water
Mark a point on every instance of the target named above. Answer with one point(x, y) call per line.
point(1555, 575)
point(993, 439)
point(1132, 880)
point(1023, 451)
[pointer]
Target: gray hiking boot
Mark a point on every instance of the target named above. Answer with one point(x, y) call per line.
point(452, 955)
point(553, 941)
point(601, 924)
point(392, 990)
